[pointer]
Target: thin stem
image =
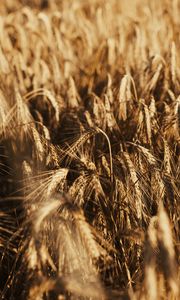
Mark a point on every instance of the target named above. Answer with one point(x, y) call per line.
point(110, 151)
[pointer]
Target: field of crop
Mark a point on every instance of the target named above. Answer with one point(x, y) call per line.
point(89, 149)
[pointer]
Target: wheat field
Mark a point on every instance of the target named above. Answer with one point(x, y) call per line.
point(89, 149)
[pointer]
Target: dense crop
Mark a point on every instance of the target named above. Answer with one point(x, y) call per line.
point(89, 149)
